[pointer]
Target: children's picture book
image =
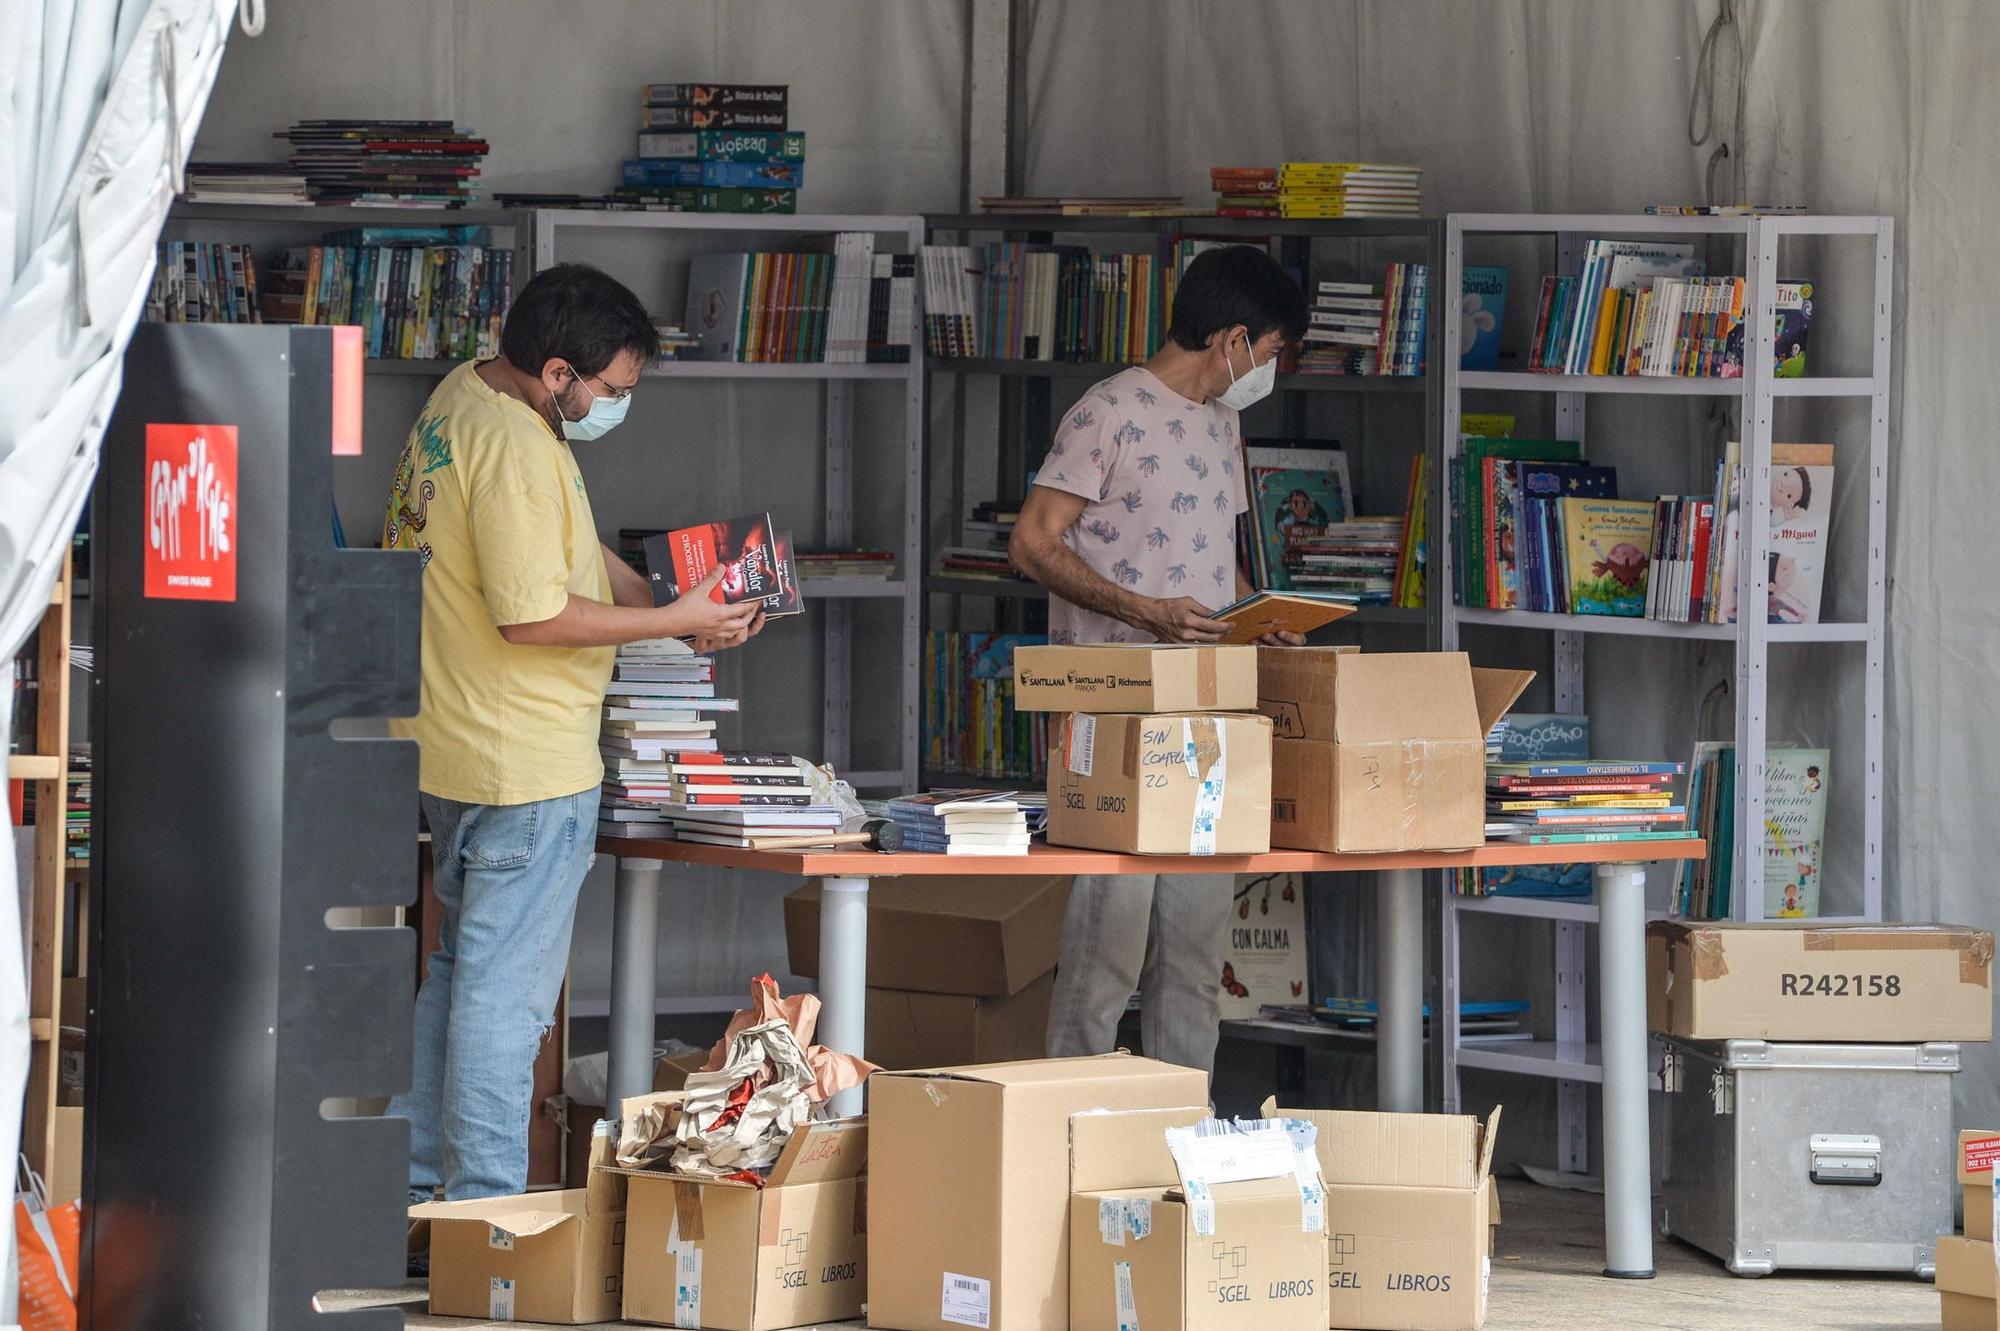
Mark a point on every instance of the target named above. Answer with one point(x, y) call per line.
point(758, 566)
point(1544, 737)
point(1295, 612)
point(1794, 830)
point(1606, 542)
point(1794, 308)
point(1483, 302)
point(1801, 513)
point(1294, 491)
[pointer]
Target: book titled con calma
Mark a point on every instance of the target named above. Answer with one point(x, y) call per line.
point(756, 557)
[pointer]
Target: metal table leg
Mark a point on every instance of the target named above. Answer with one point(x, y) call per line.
point(1621, 983)
point(635, 941)
point(1399, 991)
point(843, 973)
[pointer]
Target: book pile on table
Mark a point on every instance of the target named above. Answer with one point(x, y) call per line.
point(1356, 558)
point(256, 183)
point(659, 715)
point(387, 163)
point(970, 822)
point(845, 562)
point(1569, 803)
point(716, 148)
point(1317, 190)
point(732, 797)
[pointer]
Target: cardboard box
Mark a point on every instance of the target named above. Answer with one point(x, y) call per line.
point(1798, 980)
point(1140, 1255)
point(968, 1196)
point(913, 1030)
point(671, 1071)
point(985, 937)
point(1410, 1215)
point(1978, 1152)
point(1171, 784)
point(1962, 1312)
point(65, 1178)
point(1380, 752)
point(1135, 678)
point(536, 1257)
point(730, 1256)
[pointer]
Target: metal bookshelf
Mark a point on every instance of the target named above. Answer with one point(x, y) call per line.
point(1569, 1059)
point(1030, 397)
point(549, 228)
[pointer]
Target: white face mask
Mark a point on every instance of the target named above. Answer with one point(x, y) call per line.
point(597, 420)
point(1254, 386)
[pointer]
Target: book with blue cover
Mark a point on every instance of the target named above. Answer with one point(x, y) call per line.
point(714, 175)
point(1483, 314)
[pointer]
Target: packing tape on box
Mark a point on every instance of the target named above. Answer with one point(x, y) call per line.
point(1204, 677)
point(1305, 1168)
point(687, 1273)
point(1198, 737)
point(1128, 1307)
point(1119, 1218)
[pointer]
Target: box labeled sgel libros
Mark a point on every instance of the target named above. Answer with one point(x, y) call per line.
point(1800, 980)
point(1136, 677)
point(1186, 784)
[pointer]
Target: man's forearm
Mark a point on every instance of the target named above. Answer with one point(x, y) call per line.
point(587, 623)
point(1057, 568)
point(628, 585)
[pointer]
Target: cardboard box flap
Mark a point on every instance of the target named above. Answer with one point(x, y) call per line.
point(1115, 1150)
point(1404, 696)
point(1285, 1188)
point(1494, 691)
point(823, 1152)
point(1358, 1148)
point(604, 1194)
point(1488, 1134)
point(1045, 1071)
point(523, 1216)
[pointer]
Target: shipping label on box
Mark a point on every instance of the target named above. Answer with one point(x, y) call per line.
point(1135, 678)
point(729, 1256)
point(1978, 1153)
point(1797, 980)
point(1162, 785)
point(1265, 956)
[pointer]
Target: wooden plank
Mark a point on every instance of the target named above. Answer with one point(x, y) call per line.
point(45, 932)
point(34, 767)
point(1042, 859)
point(41, 1029)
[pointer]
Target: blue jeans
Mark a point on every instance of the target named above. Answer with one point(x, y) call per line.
point(507, 877)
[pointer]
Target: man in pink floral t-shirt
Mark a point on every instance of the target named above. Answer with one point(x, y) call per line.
point(1131, 525)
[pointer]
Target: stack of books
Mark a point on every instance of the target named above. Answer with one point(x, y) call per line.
point(1086, 205)
point(732, 798)
point(845, 562)
point(969, 822)
point(1356, 558)
point(417, 293)
point(986, 563)
point(676, 342)
point(1531, 737)
point(1369, 328)
point(717, 170)
point(387, 163)
point(659, 713)
point(970, 724)
point(1795, 798)
point(76, 824)
point(852, 306)
point(254, 183)
point(1317, 190)
point(1565, 803)
point(1040, 302)
point(1648, 308)
point(198, 282)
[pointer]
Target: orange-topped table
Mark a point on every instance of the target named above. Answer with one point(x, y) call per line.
point(843, 954)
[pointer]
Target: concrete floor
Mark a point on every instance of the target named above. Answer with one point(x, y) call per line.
point(1546, 1278)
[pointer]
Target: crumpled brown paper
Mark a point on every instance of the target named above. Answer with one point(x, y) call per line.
point(833, 1072)
point(646, 1136)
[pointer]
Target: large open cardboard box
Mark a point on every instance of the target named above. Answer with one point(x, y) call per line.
point(1194, 784)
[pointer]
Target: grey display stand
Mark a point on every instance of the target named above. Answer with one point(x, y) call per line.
point(229, 821)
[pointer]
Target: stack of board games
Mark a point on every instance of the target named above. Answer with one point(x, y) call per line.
point(966, 822)
point(1575, 802)
point(717, 171)
point(1317, 190)
point(387, 163)
point(660, 712)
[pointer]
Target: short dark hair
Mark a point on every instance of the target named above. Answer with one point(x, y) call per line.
point(579, 314)
point(1235, 284)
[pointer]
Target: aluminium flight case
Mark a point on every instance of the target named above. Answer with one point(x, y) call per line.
point(1832, 1157)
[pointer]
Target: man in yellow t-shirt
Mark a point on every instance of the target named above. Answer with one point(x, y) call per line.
point(523, 611)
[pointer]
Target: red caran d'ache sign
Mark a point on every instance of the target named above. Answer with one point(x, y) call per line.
point(191, 512)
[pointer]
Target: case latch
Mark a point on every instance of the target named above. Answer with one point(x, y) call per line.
point(1846, 1159)
point(1722, 1090)
point(1672, 1072)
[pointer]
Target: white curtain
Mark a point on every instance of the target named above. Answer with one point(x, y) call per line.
point(98, 103)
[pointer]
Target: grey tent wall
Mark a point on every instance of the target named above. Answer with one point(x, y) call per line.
point(229, 821)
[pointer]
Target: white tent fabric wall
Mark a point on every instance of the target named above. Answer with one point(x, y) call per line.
point(1853, 106)
point(86, 134)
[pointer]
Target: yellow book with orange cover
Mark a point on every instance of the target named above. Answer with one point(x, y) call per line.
point(1270, 612)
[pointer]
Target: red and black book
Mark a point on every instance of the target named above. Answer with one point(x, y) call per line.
point(758, 560)
point(696, 797)
point(736, 759)
point(730, 781)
